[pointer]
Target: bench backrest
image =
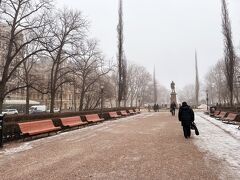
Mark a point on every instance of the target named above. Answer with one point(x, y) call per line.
point(92, 117)
point(232, 116)
point(124, 112)
point(217, 112)
point(222, 114)
point(131, 111)
point(74, 119)
point(36, 125)
point(113, 113)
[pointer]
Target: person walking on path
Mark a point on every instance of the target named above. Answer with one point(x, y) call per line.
point(186, 116)
point(172, 108)
point(157, 106)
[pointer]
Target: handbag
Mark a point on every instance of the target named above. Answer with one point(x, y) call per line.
point(194, 127)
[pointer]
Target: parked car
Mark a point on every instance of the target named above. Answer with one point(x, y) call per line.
point(9, 111)
point(55, 110)
point(37, 109)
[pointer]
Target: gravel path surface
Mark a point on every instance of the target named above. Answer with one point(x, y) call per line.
point(145, 146)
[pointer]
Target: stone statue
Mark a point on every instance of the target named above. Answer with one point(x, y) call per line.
point(173, 87)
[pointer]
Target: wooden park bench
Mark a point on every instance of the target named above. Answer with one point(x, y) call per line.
point(93, 118)
point(114, 115)
point(131, 112)
point(124, 113)
point(37, 127)
point(74, 121)
point(221, 115)
point(231, 118)
point(216, 113)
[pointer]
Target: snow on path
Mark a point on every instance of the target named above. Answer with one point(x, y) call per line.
point(220, 141)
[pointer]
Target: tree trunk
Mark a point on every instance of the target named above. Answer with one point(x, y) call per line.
point(61, 98)
point(52, 102)
point(82, 95)
point(2, 85)
point(81, 100)
point(74, 97)
point(1, 105)
point(27, 99)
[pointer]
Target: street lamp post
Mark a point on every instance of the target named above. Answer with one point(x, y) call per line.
point(207, 98)
point(101, 98)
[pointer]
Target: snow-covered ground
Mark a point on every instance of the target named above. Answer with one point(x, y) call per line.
point(220, 141)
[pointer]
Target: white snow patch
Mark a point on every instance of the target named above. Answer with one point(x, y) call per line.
point(219, 140)
point(21, 148)
point(230, 128)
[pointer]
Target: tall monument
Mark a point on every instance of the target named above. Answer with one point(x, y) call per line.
point(173, 94)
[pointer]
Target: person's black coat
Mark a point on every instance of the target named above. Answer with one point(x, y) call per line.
point(186, 115)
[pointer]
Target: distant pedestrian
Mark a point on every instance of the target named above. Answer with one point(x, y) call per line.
point(186, 116)
point(157, 107)
point(149, 108)
point(172, 108)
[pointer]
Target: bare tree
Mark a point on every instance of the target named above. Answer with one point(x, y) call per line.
point(187, 94)
point(139, 85)
point(216, 83)
point(23, 25)
point(163, 94)
point(67, 31)
point(196, 81)
point(89, 68)
point(154, 86)
point(29, 78)
point(229, 54)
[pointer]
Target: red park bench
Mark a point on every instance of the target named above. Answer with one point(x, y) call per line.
point(114, 115)
point(132, 112)
point(216, 113)
point(72, 121)
point(37, 127)
point(124, 113)
point(231, 117)
point(221, 115)
point(93, 118)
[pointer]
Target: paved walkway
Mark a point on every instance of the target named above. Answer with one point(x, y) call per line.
point(145, 146)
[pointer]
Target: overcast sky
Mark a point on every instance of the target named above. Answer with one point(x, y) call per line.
point(162, 32)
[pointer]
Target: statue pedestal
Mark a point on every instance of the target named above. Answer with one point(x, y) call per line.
point(173, 98)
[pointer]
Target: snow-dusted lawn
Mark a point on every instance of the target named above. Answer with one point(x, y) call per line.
point(220, 141)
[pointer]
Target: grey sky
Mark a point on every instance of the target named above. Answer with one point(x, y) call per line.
point(162, 32)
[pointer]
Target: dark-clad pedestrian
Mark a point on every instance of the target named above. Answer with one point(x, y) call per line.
point(186, 116)
point(157, 106)
point(172, 108)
